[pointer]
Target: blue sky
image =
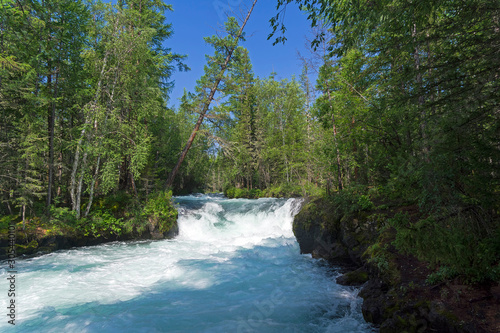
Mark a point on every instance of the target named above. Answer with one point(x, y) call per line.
point(194, 19)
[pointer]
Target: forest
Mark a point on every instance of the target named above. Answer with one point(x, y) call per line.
point(404, 111)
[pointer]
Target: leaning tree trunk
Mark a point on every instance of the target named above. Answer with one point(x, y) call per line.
point(184, 152)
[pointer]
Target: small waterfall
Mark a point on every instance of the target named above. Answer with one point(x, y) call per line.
point(235, 267)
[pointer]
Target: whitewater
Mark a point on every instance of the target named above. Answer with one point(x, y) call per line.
point(234, 267)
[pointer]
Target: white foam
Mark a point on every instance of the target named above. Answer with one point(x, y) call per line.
point(230, 256)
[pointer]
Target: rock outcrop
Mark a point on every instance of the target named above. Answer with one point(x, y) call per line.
point(325, 233)
point(362, 242)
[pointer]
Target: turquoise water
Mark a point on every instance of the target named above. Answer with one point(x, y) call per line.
point(235, 267)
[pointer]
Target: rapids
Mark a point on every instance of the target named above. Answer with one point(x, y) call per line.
point(234, 267)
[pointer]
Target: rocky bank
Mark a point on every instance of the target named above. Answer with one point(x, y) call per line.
point(397, 297)
point(42, 241)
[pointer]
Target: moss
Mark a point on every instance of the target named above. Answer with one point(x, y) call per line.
point(385, 261)
point(402, 322)
point(380, 219)
point(362, 238)
point(423, 304)
point(165, 224)
point(307, 215)
point(449, 316)
point(21, 237)
point(27, 249)
point(356, 277)
point(48, 249)
point(394, 303)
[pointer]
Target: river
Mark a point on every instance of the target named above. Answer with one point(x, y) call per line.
point(234, 267)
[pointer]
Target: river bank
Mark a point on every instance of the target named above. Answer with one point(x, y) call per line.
point(117, 219)
point(398, 294)
point(234, 267)
point(43, 241)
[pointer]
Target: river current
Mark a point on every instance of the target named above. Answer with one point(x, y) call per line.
point(234, 267)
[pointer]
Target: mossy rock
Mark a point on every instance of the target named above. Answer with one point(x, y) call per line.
point(47, 249)
point(378, 257)
point(354, 278)
point(404, 323)
point(30, 248)
point(163, 227)
point(307, 216)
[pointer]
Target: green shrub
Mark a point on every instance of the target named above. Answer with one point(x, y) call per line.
point(444, 273)
point(6, 220)
point(229, 192)
point(160, 208)
point(62, 215)
point(460, 243)
point(352, 200)
point(239, 193)
point(101, 224)
point(116, 202)
point(276, 191)
point(365, 203)
point(235, 193)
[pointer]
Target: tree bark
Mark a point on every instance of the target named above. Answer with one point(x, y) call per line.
point(96, 173)
point(423, 120)
point(339, 170)
point(74, 199)
point(355, 152)
point(50, 127)
point(206, 105)
point(79, 189)
point(92, 186)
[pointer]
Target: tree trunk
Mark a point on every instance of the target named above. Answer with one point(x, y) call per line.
point(184, 152)
point(74, 204)
point(50, 123)
point(423, 120)
point(339, 170)
point(79, 188)
point(92, 186)
point(96, 173)
point(24, 217)
point(355, 152)
point(133, 184)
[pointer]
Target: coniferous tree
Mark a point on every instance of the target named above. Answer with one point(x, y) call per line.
point(214, 73)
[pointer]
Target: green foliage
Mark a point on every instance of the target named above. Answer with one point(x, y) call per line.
point(98, 74)
point(160, 205)
point(365, 203)
point(376, 256)
point(115, 202)
point(412, 85)
point(452, 242)
point(235, 193)
point(101, 224)
point(160, 210)
point(267, 139)
point(443, 274)
point(352, 200)
point(6, 221)
point(62, 216)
